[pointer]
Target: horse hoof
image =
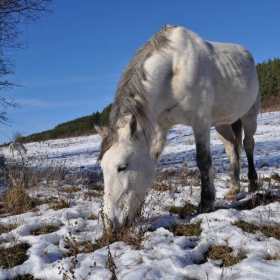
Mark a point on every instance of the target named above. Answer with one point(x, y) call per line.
point(205, 208)
point(253, 186)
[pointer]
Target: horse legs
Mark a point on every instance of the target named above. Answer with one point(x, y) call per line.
point(250, 126)
point(204, 163)
point(233, 151)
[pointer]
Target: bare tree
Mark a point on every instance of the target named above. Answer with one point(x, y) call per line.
point(14, 14)
point(17, 137)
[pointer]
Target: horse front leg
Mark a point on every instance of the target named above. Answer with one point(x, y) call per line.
point(204, 163)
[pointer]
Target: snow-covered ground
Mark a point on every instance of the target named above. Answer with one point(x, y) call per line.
point(162, 255)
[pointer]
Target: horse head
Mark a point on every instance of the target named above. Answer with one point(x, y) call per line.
point(127, 169)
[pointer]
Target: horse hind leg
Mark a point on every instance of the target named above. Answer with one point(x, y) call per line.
point(249, 122)
point(231, 136)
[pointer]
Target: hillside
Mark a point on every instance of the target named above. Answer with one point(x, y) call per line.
point(78, 127)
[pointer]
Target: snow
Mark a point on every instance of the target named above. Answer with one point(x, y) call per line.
point(162, 255)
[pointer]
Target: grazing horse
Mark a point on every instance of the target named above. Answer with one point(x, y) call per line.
point(177, 78)
point(18, 147)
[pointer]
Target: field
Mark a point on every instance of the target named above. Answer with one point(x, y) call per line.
point(51, 227)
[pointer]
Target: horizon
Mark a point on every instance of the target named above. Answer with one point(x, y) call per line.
point(76, 55)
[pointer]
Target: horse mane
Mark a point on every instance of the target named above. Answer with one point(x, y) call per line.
point(130, 97)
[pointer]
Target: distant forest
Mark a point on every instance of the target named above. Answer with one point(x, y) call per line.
point(78, 127)
point(269, 78)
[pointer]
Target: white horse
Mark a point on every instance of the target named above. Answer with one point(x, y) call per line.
point(18, 147)
point(177, 78)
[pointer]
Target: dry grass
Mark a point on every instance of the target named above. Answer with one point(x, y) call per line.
point(44, 230)
point(25, 277)
point(259, 199)
point(61, 204)
point(272, 230)
point(185, 229)
point(272, 256)
point(187, 210)
point(224, 253)
point(71, 189)
point(92, 217)
point(270, 105)
point(161, 187)
point(4, 228)
point(17, 201)
point(11, 257)
point(92, 194)
point(131, 236)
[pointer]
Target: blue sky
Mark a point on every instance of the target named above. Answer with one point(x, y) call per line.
point(76, 55)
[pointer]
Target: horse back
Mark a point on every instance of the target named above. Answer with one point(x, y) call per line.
point(216, 79)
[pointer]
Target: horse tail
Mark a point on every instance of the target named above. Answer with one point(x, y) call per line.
point(236, 129)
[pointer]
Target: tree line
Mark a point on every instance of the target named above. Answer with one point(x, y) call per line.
point(269, 79)
point(77, 127)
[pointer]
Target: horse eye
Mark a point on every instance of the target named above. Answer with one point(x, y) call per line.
point(122, 167)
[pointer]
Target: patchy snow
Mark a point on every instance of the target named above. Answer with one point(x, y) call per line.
point(162, 255)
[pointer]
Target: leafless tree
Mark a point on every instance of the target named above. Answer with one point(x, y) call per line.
point(17, 137)
point(14, 15)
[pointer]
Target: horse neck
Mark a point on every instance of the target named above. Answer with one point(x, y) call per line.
point(158, 141)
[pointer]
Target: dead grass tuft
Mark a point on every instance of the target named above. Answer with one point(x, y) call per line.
point(187, 210)
point(25, 277)
point(11, 257)
point(17, 201)
point(44, 230)
point(183, 229)
point(4, 228)
point(272, 230)
point(71, 189)
point(92, 194)
point(272, 256)
point(270, 105)
point(259, 199)
point(224, 253)
point(92, 217)
point(61, 204)
point(161, 187)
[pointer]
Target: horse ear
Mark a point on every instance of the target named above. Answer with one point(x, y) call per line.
point(133, 126)
point(102, 131)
